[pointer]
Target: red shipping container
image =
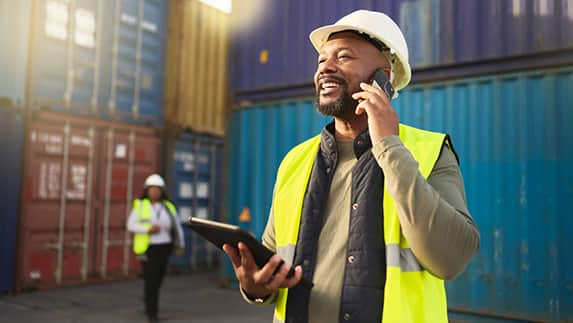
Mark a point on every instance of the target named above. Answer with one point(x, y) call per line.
point(81, 176)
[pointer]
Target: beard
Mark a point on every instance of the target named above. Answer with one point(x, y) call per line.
point(344, 106)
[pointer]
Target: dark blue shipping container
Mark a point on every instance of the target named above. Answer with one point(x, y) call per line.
point(101, 58)
point(194, 174)
point(11, 141)
point(512, 133)
point(272, 50)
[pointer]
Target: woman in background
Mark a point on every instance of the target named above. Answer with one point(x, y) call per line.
point(157, 230)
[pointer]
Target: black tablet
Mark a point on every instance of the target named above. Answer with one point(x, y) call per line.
point(220, 233)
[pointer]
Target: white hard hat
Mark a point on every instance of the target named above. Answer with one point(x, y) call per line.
point(154, 180)
point(379, 27)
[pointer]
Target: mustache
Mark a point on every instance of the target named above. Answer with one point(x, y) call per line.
point(332, 77)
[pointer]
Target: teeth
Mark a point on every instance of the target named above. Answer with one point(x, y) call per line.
point(329, 85)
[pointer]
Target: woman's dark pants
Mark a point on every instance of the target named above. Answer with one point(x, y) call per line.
point(154, 268)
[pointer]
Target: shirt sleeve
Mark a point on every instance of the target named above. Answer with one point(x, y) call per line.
point(433, 213)
point(270, 299)
point(269, 233)
point(180, 234)
point(133, 226)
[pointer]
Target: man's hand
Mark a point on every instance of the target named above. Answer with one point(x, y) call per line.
point(260, 282)
point(382, 119)
point(153, 229)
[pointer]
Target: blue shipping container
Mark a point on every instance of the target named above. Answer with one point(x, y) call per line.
point(516, 150)
point(271, 47)
point(133, 56)
point(194, 173)
point(102, 58)
point(11, 141)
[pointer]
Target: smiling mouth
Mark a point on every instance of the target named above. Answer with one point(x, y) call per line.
point(327, 88)
point(330, 85)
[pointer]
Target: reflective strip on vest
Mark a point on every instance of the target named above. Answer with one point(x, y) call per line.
point(287, 253)
point(403, 258)
point(411, 294)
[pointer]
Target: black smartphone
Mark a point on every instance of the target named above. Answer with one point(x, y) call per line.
point(220, 233)
point(381, 81)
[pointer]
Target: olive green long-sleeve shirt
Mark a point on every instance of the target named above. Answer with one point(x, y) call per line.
point(433, 215)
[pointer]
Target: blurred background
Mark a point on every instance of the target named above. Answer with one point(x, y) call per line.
point(97, 94)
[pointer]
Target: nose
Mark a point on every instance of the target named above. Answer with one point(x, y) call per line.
point(328, 65)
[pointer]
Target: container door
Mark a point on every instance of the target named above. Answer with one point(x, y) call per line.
point(194, 174)
point(202, 251)
point(65, 55)
point(182, 169)
point(57, 206)
point(133, 60)
point(128, 157)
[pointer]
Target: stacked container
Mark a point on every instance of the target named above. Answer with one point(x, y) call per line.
point(81, 177)
point(11, 140)
point(99, 58)
point(272, 56)
point(495, 75)
point(194, 167)
point(195, 112)
point(196, 70)
point(89, 76)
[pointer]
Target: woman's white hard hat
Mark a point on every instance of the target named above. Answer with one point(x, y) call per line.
point(377, 26)
point(154, 180)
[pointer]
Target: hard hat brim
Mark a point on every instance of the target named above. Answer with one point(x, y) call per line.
point(320, 35)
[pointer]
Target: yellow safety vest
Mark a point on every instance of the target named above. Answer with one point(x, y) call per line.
point(143, 213)
point(411, 293)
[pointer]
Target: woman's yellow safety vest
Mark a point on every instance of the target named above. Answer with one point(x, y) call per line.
point(143, 213)
point(411, 294)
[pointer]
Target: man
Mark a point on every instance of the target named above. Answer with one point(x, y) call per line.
point(371, 211)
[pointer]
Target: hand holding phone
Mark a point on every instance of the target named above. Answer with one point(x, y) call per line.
point(383, 120)
point(381, 81)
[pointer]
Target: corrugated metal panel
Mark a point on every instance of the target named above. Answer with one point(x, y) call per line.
point(63, 55)
point(133, 45)
point(80, 178)
point(128, 155)
point(513, 139)
point(196, 80)
point(194, 168)
point(486, 29)
point(437, 32)
point(11, 141)
point(14, 17)
point(102, 58)
point(260, 137)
